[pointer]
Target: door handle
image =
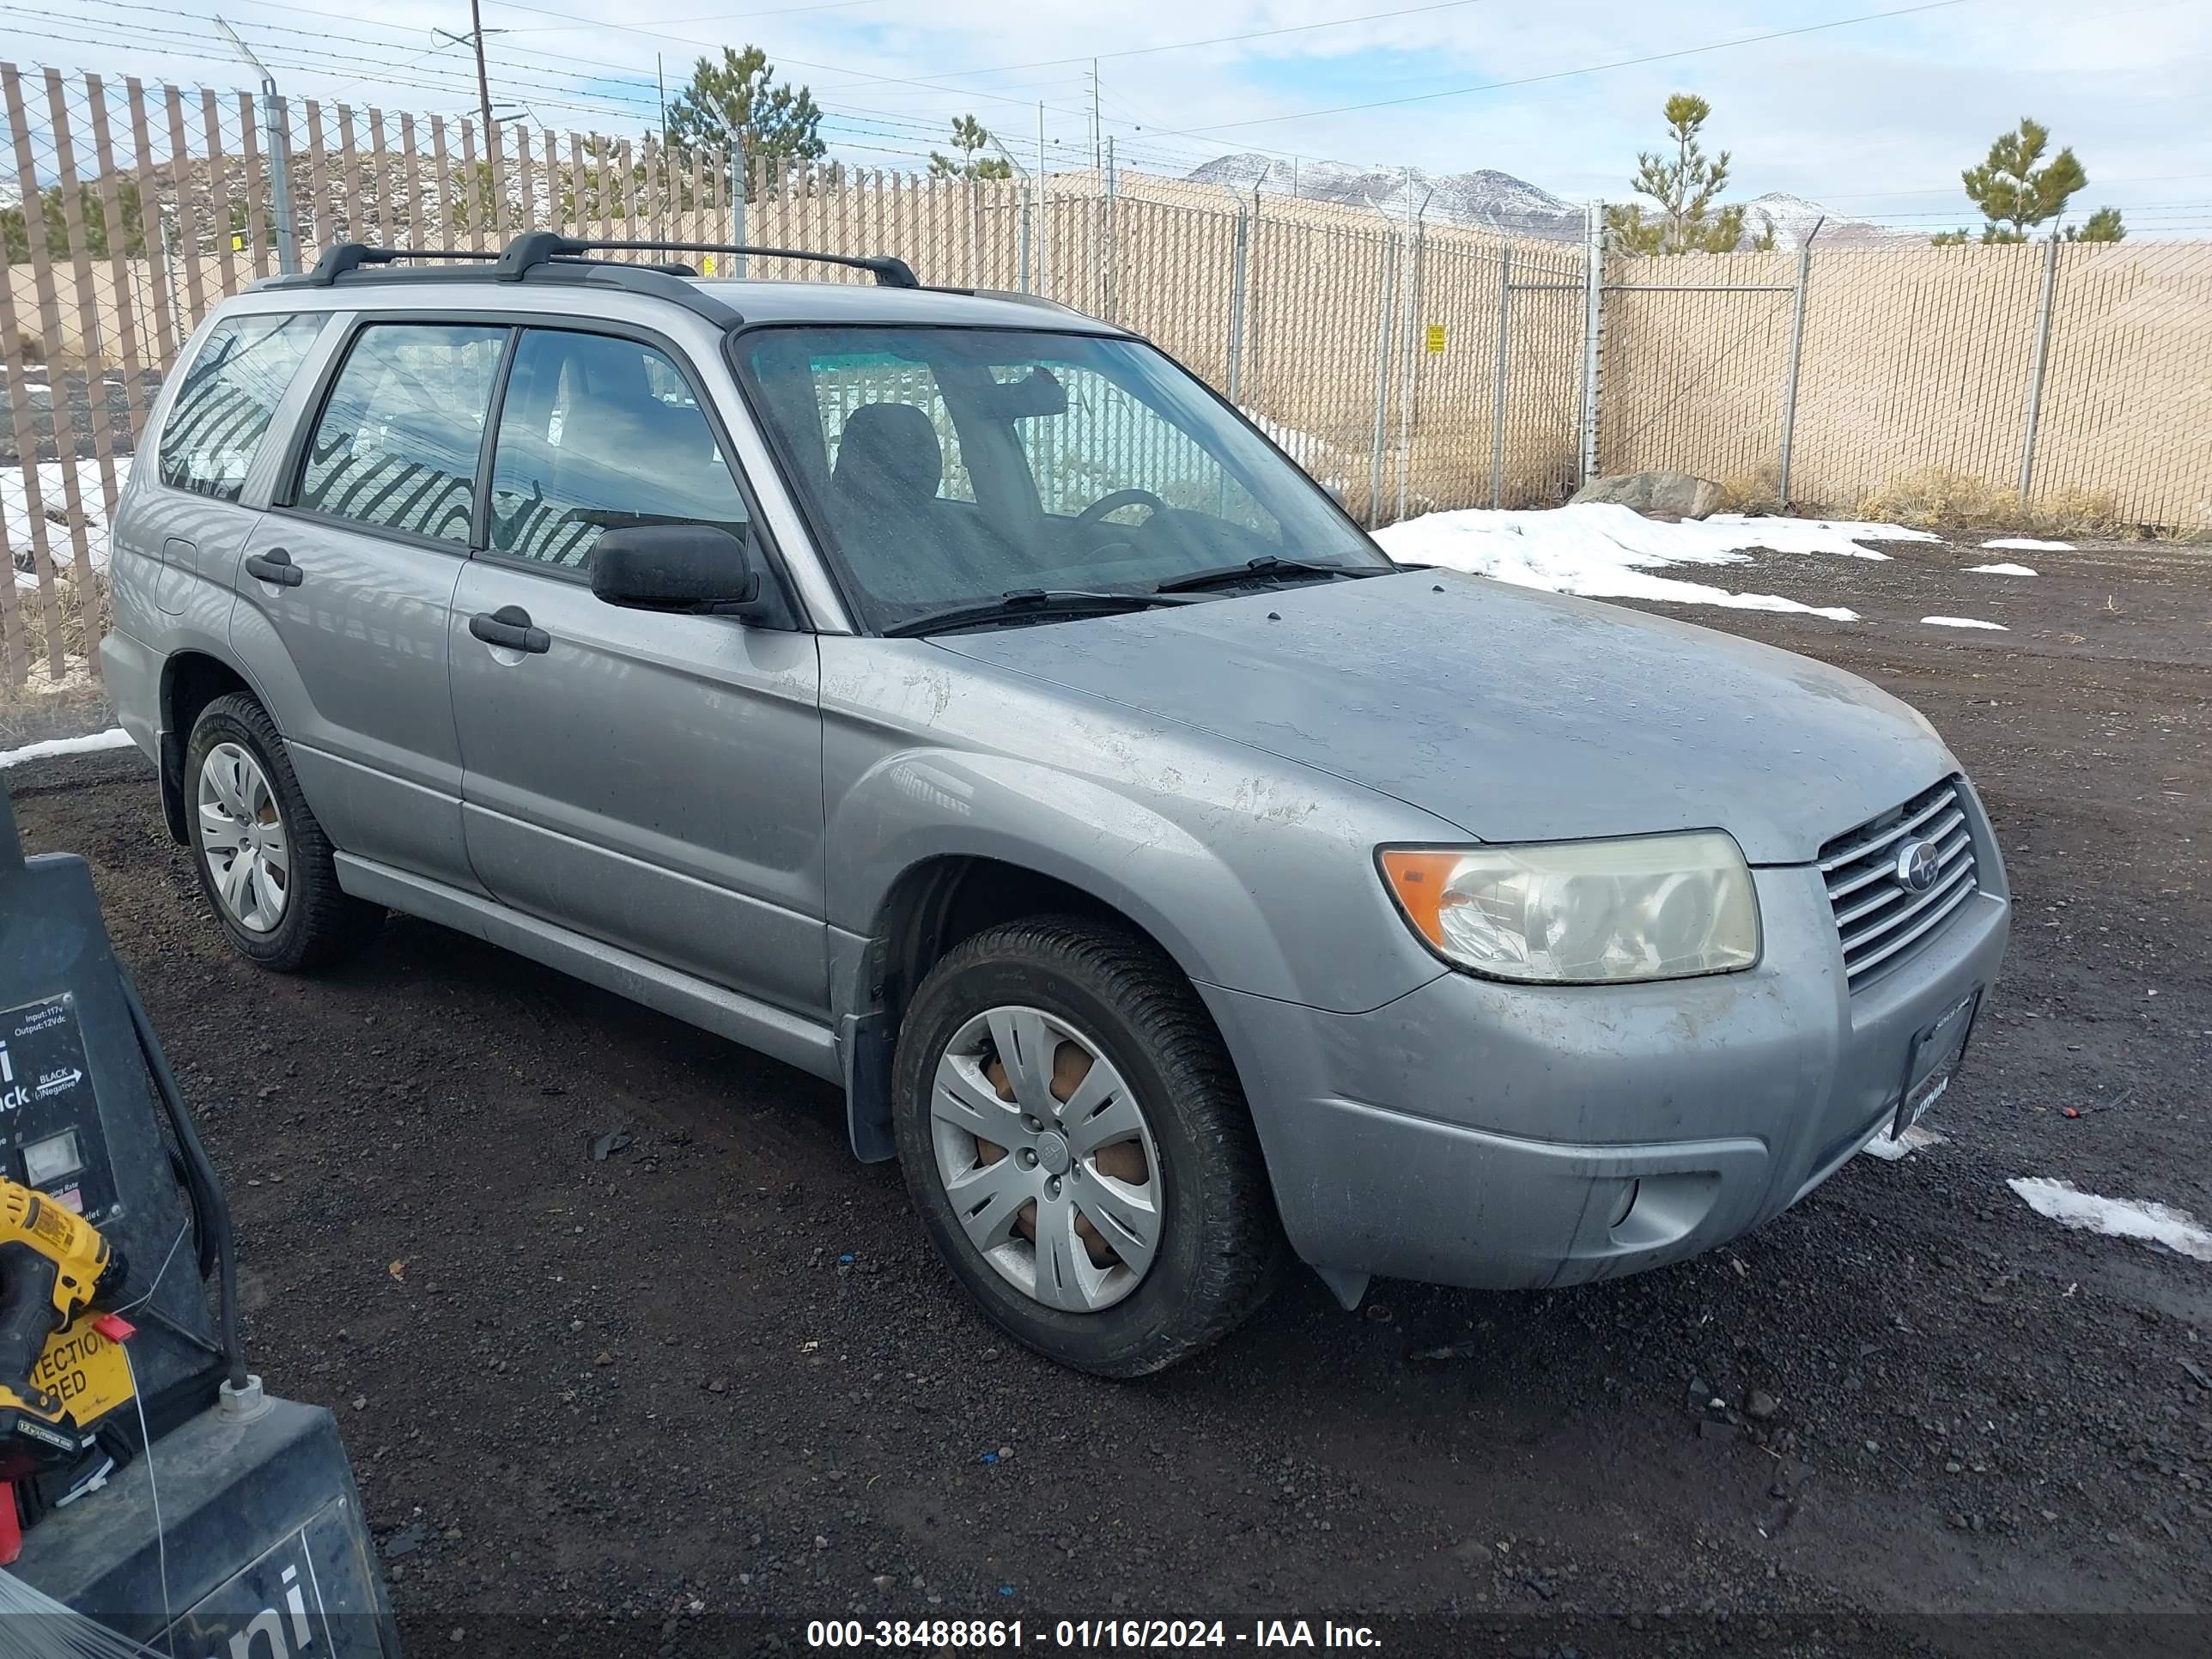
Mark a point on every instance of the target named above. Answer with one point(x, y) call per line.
point(510, 626)
point(275, 565)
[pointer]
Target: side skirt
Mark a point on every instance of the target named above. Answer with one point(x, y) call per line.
point(792, 1038)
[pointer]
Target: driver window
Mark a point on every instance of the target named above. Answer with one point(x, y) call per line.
point(600, 433)
point(1105, 442)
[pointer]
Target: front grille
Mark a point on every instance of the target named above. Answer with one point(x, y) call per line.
point(1881, 921)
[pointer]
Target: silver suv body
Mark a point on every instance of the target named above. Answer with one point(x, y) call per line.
point(947, 696)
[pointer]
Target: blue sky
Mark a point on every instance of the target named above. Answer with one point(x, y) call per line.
point(1874, 118)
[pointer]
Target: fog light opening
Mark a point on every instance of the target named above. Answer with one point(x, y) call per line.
point(1627, 1202)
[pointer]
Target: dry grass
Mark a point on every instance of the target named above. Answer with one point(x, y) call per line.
point(1937, 498)
point(1754, 493)
point(78, 641)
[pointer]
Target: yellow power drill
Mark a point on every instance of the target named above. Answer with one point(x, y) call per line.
point(54, 1266)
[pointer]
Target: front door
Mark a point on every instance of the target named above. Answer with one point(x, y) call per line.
point(650, 779)
point(348, 582)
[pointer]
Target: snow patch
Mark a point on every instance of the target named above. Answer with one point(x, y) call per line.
point(1998, 570)
point(1964, 622)
point(2029, 545)
point(53, 504)
point(114, 738)
point(2120, 1218)
point(1602, 550)
point(1914, 1138)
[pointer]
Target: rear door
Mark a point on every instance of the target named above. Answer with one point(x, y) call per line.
point(347, 587)
point(652, 780)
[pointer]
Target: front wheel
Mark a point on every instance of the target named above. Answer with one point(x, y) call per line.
point(1074, 1135)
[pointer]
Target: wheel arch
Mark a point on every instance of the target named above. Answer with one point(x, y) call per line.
point(190, 680)
point(932, 906)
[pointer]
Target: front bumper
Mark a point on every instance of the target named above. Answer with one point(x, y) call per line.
point(1512, 1137)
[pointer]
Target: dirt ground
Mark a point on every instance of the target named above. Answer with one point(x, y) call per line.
point(682, 1399)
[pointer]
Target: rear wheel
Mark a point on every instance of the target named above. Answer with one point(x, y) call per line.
point(264, 862)
point(1074, 1138)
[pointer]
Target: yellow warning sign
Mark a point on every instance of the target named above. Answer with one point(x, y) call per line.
point(1436, 337)
point(707, 266)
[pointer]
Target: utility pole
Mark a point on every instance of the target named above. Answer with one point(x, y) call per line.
point(280, 155)
point(660, 75)
point(483, 83)
point(1096, 159)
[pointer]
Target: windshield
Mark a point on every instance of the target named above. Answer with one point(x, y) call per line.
point(951, 466)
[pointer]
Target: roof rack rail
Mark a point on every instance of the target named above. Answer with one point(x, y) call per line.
point(351, 256)
point(537, 247)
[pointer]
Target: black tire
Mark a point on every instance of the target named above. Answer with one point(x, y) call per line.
point(1221, 1245)
point(320, 925)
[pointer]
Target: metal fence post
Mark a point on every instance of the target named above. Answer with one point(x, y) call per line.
point(740, 181)
point(2042, 358)
point(1593, 323)
point(1383, 378)
point(1408, 373)
point(1237, 280)
point(1028, 191)
point(1796, 355)
point(276, 124)
point(1108, 272)
point(1497, 408)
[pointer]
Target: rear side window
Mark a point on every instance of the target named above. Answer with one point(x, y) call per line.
point(225, 401)
point(597, 434)
point(395, 447)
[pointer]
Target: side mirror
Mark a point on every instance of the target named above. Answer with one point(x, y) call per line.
point(697, 568)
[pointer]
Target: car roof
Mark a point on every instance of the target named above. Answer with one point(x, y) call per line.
point(727, 301)
point(761, 303)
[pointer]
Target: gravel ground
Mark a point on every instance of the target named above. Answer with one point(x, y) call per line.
point(682, 1399)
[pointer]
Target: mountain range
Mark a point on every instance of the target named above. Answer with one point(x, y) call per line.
point(1487, 197)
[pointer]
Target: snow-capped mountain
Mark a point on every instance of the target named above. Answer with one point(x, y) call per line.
point(1484, 196)
point(1792, 217)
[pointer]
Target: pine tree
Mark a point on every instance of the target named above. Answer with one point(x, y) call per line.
point(970, 135)
point(2018, 191)
point(1683, 191)
point(736, 106)
point(2104, 225)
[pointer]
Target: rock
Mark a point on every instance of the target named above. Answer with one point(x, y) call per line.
point(1655, 495)
point(1760, 1405)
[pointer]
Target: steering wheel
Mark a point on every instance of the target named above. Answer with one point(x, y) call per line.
point(1114, 503)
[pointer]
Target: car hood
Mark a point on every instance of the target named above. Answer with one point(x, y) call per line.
point(1515, 714)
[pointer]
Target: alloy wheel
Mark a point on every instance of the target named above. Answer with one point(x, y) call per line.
point(1046, 1158)
point(242, 838)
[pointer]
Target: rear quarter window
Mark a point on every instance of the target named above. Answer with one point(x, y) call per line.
point(224, 403)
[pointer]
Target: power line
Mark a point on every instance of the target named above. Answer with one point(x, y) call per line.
point(1212, 40)
point(722, 17)
point(1588, 68)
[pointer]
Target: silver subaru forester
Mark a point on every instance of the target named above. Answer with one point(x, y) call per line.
point(948, 694)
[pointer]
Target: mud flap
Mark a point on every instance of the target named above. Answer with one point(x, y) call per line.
point(864, 1045)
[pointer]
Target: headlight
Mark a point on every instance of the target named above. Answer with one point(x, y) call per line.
point(1583, 912)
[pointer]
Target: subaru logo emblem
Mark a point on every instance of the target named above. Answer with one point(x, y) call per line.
point(1918, 865)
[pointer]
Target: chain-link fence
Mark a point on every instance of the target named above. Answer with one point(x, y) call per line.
point(2052, 372)
point(1407, 365)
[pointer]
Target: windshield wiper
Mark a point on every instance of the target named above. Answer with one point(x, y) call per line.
point(1264, 569)
point(1024, 603)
